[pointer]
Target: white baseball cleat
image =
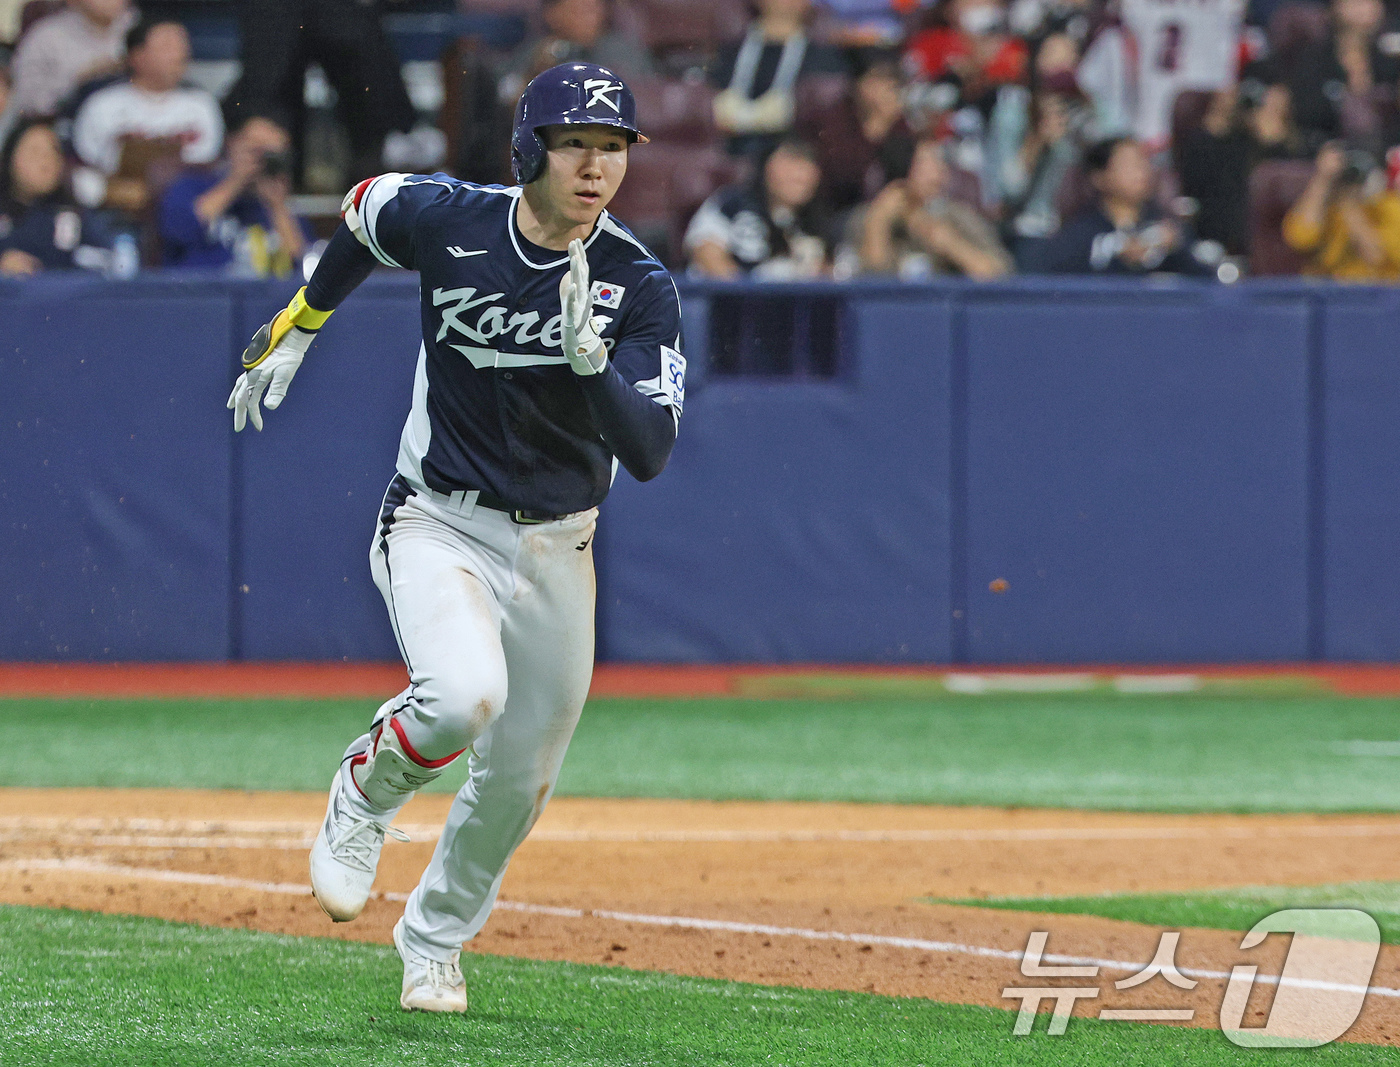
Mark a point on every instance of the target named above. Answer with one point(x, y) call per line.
point(346, 855)
point(430, 985)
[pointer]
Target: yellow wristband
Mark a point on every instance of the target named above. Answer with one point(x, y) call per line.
point(297, 313)
point(304, 315)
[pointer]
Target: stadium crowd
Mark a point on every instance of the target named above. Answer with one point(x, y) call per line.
point(789, 138)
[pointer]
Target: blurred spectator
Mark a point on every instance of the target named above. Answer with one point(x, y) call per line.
point(972, 47)
point(1107, 75)
point(1034, 140)
point(10, 22)
point(1122, 232)
point(1134, 67)
point(7, 114)
point(1037, 19)
point(237, 215)
point(1336, 82)
point(574, 31)
point(866, 23)
point(768, 229)
point(914, 229)
point(757, 78)
point(152, 103)
point(67, 48)
point(1180, 46)
point(1347, 219)
point(1214, 160)
point(864, 142)
point(40, 226)
point(280, 38)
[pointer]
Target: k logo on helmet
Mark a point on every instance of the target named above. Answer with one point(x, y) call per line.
point(599, 89)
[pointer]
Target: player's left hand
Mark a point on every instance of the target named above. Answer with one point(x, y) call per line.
point(582, 345)
point(271, 360)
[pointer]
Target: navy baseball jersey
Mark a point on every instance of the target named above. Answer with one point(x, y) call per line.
point(496, 406)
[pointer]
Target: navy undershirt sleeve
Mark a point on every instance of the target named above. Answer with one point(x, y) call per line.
point(639, 431)
point(344, 264)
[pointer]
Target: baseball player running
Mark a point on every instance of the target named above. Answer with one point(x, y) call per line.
point(550, 354)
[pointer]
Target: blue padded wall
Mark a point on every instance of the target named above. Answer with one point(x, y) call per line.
point(797, 520)
point(312, 482)
point(1361, 458)
point(1160, 473)
point(1138, 474)
point(116, 477)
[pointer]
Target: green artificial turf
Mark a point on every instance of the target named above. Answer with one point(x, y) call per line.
point(1104, 751)
point(1219, 909)
point(85, 989)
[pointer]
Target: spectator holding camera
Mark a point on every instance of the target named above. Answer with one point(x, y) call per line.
point(1338, 82)
point(237, 216)
point(1034, 139)
point(41, 228)
point(863, 142)
point(1123, 231)
point(914, 229)
point(1347, 220)
point(1242, 126)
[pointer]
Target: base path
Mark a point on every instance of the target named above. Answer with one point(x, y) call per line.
point(825, 896)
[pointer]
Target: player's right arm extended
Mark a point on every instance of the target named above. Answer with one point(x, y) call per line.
point(277, 349)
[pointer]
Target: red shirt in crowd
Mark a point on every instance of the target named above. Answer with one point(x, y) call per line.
point(934, 52)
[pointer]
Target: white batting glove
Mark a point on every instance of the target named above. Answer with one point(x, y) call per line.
point(271, 361)
point(582, 345)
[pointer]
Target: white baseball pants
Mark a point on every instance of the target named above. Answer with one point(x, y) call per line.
point(495, 622)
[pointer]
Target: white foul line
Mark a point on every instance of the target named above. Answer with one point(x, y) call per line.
point(207, 833)
point(682, 922)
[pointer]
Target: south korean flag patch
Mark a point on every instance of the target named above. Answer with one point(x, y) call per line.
point(607, 295)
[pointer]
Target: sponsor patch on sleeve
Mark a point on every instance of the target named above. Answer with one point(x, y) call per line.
point(673, 376)
point(607, 295)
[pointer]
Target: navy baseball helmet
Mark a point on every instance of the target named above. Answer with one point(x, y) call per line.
point(569, 93)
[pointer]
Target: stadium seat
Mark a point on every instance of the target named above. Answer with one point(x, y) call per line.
point(679, 30)
point(1293, 25)
point(819, 94)
point(527, 9)
point(676, 109)
point(1274, 186)
point(1188, 112)
point(665, 183)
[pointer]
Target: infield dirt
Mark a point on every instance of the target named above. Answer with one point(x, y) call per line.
point(239, 859)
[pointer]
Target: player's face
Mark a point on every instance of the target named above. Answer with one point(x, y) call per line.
point(584, 167)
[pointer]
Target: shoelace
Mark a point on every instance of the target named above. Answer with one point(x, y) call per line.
point(440, 975)
point(355, 843)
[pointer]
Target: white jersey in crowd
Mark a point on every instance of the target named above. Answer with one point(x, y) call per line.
point(1134, 69)
point(1181, 44)
point(123, 110)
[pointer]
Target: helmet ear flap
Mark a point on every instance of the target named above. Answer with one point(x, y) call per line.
point(527, 155)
